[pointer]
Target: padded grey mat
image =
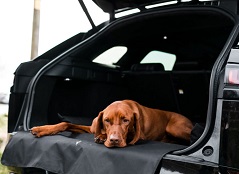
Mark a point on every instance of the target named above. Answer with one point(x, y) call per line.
point(77, 153)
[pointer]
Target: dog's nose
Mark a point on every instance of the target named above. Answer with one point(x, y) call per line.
point(114, 139)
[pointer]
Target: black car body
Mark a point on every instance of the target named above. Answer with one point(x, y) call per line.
point(69, 83)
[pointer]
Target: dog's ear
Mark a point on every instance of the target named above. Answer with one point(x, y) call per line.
point(97, 125)
point(137, 127)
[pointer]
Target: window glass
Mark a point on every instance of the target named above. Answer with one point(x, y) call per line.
point(167, 59)
point(111, 56)
point(161, 4)
point(125, 13)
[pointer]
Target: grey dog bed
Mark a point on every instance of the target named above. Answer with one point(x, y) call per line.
point(77, 153)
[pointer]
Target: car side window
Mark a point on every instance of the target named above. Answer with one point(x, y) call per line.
point(111, 56)
point(167, 59)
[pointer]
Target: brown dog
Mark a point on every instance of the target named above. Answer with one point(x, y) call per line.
point(127, 121)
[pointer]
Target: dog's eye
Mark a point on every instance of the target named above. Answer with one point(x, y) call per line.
point(125, 120)
point(107, 120)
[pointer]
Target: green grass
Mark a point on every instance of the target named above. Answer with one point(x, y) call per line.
point(3, 169)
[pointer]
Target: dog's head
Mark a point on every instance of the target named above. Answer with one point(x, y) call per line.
point(119, 122)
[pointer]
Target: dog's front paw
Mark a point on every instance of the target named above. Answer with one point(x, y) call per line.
point(101, 138)
point(40, 131)
point(36, 131)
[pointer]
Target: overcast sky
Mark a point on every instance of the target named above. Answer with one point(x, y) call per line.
point(59, 20)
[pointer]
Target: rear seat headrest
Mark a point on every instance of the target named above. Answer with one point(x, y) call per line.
point(147, 67)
